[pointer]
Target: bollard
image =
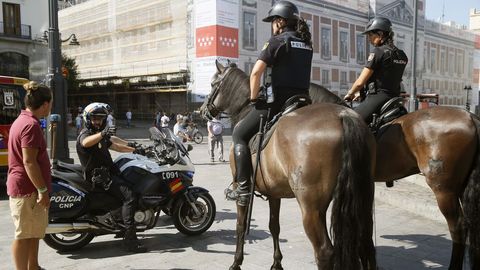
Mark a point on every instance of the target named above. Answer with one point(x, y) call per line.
point(54, 120)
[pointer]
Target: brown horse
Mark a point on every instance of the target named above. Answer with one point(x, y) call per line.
point(443, 143)
point(317, 153)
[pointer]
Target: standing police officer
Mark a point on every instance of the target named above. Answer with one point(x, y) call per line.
point(383, 71)
point(288, 53)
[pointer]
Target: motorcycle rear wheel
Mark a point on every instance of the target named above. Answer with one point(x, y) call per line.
point(198, 137)
point(185, 219)
point(68, 241)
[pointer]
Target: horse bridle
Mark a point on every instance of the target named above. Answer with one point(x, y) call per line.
point(211, 109)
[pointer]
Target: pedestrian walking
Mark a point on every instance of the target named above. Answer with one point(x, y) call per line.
point(78, 123)
point(129, 117)
point(215, 138)
point(29, 176)
point(110, 119)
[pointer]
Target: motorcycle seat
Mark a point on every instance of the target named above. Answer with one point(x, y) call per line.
point(71, 167)
point(73, 178)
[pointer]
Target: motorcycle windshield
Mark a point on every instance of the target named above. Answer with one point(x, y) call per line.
point(166, 133)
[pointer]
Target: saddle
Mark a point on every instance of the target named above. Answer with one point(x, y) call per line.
point(292, 104)
point(390, 111)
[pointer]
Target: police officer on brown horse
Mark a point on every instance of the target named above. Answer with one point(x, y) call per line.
point(286, 61)
point(383, 71)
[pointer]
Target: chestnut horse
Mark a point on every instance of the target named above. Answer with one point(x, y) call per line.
point(443, 143)
point(316, 154)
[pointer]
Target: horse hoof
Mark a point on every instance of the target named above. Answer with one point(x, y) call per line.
point(235, 267)
point(276, 267)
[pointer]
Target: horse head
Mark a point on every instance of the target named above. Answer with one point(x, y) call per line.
point(229, 94)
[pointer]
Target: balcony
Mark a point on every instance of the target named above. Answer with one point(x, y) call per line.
point(23, 31)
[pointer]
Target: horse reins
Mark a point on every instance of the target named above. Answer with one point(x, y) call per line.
point(216, 85)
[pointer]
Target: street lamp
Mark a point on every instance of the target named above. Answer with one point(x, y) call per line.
point(56, 82)
point(72, 38)
point(467, 88)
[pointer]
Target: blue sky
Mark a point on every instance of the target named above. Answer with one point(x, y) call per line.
point(455, 10)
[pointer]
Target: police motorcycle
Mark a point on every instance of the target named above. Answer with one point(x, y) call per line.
point(162, 178)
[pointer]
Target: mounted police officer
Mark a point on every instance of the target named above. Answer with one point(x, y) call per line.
point(93, 144)
point(285, 62)
point(383, 71)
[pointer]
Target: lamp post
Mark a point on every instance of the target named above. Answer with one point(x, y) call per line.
point(413, 91)
point(56, 82)
point(467, 88)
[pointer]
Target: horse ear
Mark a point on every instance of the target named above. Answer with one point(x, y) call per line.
point(220, 67)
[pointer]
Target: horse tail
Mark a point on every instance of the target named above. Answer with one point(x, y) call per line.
point(352, 221)
point(471, 205)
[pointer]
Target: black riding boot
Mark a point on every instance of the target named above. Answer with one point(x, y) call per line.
point(243, 166)
point(131, 243)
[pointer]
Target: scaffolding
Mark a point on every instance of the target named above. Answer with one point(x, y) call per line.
point(127, 37)
point(133, 54)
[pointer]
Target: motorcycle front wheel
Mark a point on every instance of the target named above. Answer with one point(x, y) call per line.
point(187, 221)
point(68, 241)
point(198, 137)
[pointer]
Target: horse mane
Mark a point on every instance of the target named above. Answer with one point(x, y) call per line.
point(320, 94)
point(237, 92)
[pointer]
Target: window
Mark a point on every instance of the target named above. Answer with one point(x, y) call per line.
point(424, 64)
point(460, 63)
point(343, 79)
point(451, 63)
point(325, 77)
point(433, 53)
point(326, 41)
point(11, 19)
point(249, 35)
point(343, 46)
point(442, 62)
point(360, 49)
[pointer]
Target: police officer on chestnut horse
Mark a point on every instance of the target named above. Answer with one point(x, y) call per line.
point(383, 71)
point(287, 60)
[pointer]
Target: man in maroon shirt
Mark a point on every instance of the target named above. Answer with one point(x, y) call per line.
point(29, 179)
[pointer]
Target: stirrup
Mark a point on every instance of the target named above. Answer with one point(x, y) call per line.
point(242, 198)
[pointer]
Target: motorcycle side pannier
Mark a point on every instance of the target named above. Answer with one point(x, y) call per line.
point(66, 201)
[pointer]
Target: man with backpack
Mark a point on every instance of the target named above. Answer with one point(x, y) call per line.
point(215, 138)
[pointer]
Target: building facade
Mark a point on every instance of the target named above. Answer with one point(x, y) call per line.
point(475, 27)
point(21, 54)
point(131, 47)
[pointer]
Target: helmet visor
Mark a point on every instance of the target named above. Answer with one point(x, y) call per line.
point(269, 19)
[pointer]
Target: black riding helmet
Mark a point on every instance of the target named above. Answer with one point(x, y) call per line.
point(284, 9)
point(379, 24)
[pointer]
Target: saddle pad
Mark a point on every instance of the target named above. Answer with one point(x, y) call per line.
point(253, 143)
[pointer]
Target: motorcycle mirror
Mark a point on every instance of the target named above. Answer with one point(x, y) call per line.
point(189, 147)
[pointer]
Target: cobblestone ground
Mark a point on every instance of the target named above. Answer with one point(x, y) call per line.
point(403, 239)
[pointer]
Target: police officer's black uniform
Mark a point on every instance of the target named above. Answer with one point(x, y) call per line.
point(290, 59)
point(99, 156)
point(388, 64)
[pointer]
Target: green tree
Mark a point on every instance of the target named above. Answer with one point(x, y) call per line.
point(72, 72)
